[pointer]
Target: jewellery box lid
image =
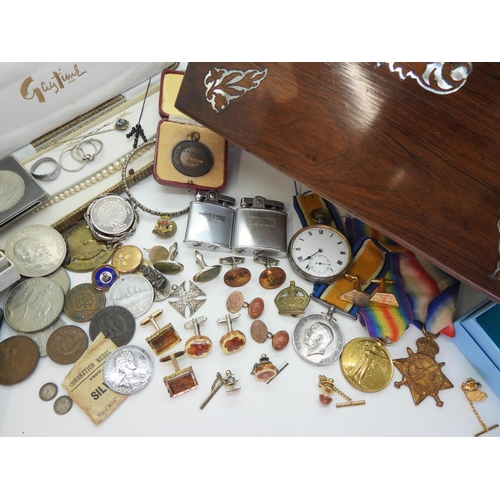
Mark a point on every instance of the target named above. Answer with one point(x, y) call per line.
point(171, 81)
point(40, 97)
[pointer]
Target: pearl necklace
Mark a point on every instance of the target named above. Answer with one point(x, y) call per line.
point(116, 166)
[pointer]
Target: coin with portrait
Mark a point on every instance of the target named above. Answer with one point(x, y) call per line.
point(318, 340)
point(36, 250)
point(128, 369)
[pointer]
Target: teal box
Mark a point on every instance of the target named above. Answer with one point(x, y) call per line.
point(477, 334)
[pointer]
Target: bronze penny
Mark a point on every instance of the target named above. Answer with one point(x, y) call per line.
point(67, 344)
point(238, 276)
point(84, 252)
point(83, 302)
point(272, 277)
point(18, 359)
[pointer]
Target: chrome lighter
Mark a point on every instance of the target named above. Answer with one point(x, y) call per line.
point(210, 222)
point(260, 228)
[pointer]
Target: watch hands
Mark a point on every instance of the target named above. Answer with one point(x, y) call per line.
point(311, 256)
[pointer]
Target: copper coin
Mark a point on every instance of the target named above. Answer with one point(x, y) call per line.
point(83, 302)
point(67, 344)
point(238, 276)
point(18, 359)
point(272, 277)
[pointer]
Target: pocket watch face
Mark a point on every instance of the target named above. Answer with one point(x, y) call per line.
point(319, 253)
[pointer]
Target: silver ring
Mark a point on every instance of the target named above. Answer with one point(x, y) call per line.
point(83, 163)
point(48, 176)
point(81, 155)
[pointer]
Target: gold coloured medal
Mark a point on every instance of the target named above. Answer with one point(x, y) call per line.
point(421, 373)
point(84, 252)
point(366, 364)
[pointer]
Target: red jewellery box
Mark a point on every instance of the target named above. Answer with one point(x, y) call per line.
point(187, 154)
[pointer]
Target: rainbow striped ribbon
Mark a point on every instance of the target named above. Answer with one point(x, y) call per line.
point(389, 323)
point(432, 293)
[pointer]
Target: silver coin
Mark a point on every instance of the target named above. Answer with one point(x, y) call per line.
point(111, 215)
point(115, 322)
point(36, 250)
point(133, 292)
point(48, 391)
point(318, 341)
point(11, 189)
point(62, 278)
point(34, 304)
point(41, 337)
point(128, 369)
point(62, 405)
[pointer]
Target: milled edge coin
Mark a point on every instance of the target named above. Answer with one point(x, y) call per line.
point(128, 369)
point(48, 391)
point(62, 405)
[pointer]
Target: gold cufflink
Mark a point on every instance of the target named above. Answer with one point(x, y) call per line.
point(164, 337)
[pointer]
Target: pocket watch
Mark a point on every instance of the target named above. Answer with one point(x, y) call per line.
point(319, 253)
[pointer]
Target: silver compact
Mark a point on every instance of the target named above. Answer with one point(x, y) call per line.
point(210, 222)
point(260, 228)
point(111, 218)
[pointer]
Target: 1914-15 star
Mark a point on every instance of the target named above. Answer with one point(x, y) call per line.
point(421, 373)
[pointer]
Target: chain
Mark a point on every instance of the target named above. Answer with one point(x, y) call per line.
point(139, 151)
point(338, 391)
point(471, 404)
